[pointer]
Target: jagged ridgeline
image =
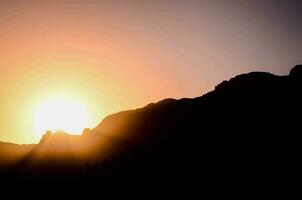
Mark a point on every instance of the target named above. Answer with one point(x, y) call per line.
point(246, 130)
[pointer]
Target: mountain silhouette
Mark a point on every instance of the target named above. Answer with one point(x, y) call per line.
point(243, 133)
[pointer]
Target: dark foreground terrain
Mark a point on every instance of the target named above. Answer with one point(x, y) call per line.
point(244, 134)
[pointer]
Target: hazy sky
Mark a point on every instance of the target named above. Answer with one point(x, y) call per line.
point(117, 55)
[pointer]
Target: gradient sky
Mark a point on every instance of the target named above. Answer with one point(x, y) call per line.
point(117, 55)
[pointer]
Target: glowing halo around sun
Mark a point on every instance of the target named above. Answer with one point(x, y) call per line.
point(60, 113)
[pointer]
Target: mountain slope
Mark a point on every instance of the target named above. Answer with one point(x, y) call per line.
point(245, 130)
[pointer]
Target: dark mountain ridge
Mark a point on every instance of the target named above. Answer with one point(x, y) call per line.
point(244, 131)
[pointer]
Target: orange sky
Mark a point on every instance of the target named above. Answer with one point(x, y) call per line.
point(116, 55)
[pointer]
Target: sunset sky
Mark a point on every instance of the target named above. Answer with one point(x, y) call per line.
point(112, 55)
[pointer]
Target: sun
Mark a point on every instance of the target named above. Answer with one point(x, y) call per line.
point(60, 113)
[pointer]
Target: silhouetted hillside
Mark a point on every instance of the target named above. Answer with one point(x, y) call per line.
point(242, 134)
point(10, 153)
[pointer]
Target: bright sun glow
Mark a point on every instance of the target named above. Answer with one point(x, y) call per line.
point(61, 113)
